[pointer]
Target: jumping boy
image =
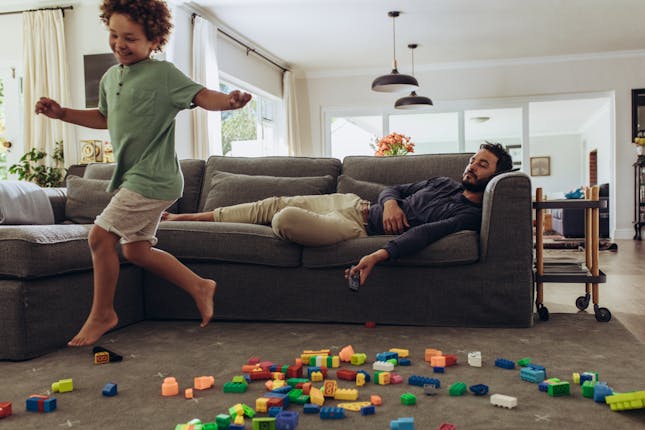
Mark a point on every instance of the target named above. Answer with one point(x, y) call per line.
point(138, 101)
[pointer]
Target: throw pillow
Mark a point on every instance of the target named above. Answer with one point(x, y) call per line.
point(86, 198)
point(363, 189)
point(229, 189)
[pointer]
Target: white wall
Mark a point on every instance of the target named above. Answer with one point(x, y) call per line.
point(596, 136)
point(620, 74)
point(565, 161)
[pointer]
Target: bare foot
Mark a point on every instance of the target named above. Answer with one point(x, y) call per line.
point(93, 329)
point(167, 216)
point(204, 300)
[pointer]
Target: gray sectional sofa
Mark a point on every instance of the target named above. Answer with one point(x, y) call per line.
point(466, 279)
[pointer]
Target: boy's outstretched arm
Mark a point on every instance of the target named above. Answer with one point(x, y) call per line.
point(90, 118)
point(215, 100)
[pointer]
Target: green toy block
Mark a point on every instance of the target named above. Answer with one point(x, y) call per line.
point(587, 389)
point(239, 379)
point(523, 362)
point(558, 389)
point(408, 399)
point(248, 411)
point(457, 389)
point(263, 423)
point(294, 394)
point(376, 378)
point(284, 368)
point(63, 386)
point(235, 387)
point(394, 361)
point(209, 426)
point(223, 421)
point(626, 401)
point(293, 382)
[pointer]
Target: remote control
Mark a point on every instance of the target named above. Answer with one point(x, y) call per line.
point(354, 280)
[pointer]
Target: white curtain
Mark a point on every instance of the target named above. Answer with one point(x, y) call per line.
point(290, 109)
point(46, 74)
point(207, 126)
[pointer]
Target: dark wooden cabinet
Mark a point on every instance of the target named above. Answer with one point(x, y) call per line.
point(639, 196)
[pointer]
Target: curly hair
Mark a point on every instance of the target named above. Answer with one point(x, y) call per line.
point(153, 15)
point(504, 160)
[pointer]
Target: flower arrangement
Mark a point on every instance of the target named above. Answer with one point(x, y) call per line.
point(393, 144)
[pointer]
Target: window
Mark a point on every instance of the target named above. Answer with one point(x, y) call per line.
point(431, 133)
point(254, 130)
point(353, 135)
point(3, 150)
point(10, 120)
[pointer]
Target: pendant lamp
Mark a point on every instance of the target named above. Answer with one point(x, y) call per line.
point(413, 101)
point(395, 82)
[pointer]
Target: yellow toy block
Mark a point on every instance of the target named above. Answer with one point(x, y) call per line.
point(278, 375)
point(102, 357)
point(438, 361)
point(236, 409)
point(333, 361)
point(376, 400)
point(238, 420)
point(63, 386)
point(403, 353)
point(354, 406)
point(204, 382)
point(431, 352)
point(316, 376)
point(384, 378)
point(279, 383)
point(346, 353)
point(626, 401)
point(576, 378)
point(358, 359)
point(307, 354)
point(329, 388)
point(316, 396)
point(261, 404)
point(346, 394)
point(360, 379)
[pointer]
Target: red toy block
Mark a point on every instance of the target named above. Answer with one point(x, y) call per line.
point(294, 372)
point(260, 375)
point(346, 374)
point(275, 401)
point(5, 409)
point(253, 360)
point(451, 359)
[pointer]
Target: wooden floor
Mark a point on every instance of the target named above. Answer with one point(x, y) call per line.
point(623, 293)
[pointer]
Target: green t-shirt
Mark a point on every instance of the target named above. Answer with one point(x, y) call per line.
point(140, 103)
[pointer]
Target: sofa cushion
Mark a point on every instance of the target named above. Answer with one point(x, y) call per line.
point(86, 198)
point(34, 251)
point(461, 247)
point(230, 189)
point(230, 242)
point(364, 189)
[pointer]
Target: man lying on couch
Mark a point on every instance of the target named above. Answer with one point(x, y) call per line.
point(420, 213)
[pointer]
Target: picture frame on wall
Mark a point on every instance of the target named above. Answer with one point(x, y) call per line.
point(541, 166)
point(515, 151)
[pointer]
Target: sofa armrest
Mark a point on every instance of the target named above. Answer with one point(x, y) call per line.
point(506, 232)
point(57, 198)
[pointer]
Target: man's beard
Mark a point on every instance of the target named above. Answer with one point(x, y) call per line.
point(478, 187)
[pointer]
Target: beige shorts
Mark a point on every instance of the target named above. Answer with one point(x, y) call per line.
point(132, 216)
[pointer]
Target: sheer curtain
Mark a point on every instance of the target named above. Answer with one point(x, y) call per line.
point(290, 109)
point(46, 74)
point(207, 126)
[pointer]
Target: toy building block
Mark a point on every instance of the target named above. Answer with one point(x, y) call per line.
point(479, 389)
point(311, 408)
point(368, 378)
point(294, 395)
point(40, 403)
point(601, 391)
point(346, 394)
point(282, 399)
point(438, 361)
point(544, 385)
point(626, 401)
point(264, 423)
point(332, 413)
point(420, 381)
point(504, 363)
point(385, 356)
point(405, 362)
point(346, 374)
point(557, 389)
point(294, 382)
point(235, 387)
point(316, 377)
point(102, 358)
point(63, 386)
point(402, 353)
point(368, 410)
point(253, 360)
point(248, 411)
point(316, 396)
point(275, 410)
point(231, 427)
point(447, 426)
point(406, 423)
point(329, 388)
point(114, 357)
point(457, 389)
point(538, 368)
point(429, 390)
point(589, 376)
point(223, 420)
point(408, 399)
point(475, 358)
point(204, 382)
point(354, 406)
point(588, 389)
point(237, 420)
point(523, 362)
point(294, 371)
point(360, 379)
point(169, 387)
point(451, 359)
point(358, 359)
point(236, 409)
point(309, 353)
point(431, 352)
point(261, 404)
point(320, 370)
point(346, 353)
point(376, 400)
point(530, 374)
point(395, 378)
point(439, 369)
point(503, 401)
point(381, 378)
point(260, 375)
point(286, 420)
point(188, 393)
point(385, 366)
point(5, 409)
point(306, 387)
point(110, 390)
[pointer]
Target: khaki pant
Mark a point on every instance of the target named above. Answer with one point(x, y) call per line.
point(307, 220)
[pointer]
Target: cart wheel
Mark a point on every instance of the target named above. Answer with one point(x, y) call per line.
point(603, 315)
point(582, 302)
point(543, 313)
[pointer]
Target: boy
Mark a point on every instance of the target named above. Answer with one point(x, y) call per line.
point(138, 101)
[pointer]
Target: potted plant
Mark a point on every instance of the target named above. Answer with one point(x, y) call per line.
point(30, 167)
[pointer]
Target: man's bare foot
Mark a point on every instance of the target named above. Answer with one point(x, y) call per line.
point(204, 300)
point(167, 216)
point(93, 329)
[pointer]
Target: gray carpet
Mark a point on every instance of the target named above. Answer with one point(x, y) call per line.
point(567, 343)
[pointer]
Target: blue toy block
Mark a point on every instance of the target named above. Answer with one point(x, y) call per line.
point(543, 386)
point(275, 410)
point(286, 420)
point(368, 410)
point(420, 381)
point(438, 369)
point(405, 362)
point(537, 367)
point(247, 378)
point(311, 408)
point(530, 374)
point(406, 423)
point(282, 390)
point(368, 378)
point(332, 413)
point(41, 404)
point(479, 389)
point(385, 356)
point(110, 390)
point(600, 391)
point(504, 363)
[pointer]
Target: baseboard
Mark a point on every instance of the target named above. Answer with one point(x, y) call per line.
point(624, 233)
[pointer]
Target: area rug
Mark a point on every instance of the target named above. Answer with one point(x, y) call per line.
point(152, 350)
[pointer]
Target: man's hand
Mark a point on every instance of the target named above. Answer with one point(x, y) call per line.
point(238, 99)
point(394, 219)
point(50, 108)
point(367, 263)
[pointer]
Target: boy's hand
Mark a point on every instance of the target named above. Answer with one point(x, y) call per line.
point(238, 99)
point(49, 108)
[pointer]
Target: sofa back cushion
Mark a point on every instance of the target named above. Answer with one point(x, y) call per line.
point(86, 198)
point(255, 178)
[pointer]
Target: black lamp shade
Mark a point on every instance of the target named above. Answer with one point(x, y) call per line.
point(395, 82)
point(413, 101)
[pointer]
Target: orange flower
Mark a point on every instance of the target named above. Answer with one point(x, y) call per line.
point(393, 144)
